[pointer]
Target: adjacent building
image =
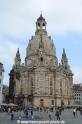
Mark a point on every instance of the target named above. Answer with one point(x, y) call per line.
point(5, 93)
point(1, 80)
point(77, 93)
point(41, 80)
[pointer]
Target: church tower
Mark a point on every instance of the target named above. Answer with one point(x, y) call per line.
point(64, 60)
point(17, 63)
point(17, 59)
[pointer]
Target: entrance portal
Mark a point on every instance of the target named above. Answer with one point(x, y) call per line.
point(62, 103)
point(41, 102)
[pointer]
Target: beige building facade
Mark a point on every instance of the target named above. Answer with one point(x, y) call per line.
point(41, 81)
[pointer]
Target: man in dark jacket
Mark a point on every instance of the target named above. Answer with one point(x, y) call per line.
point(26, 111)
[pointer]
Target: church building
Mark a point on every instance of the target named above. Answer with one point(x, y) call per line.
point(41, 81)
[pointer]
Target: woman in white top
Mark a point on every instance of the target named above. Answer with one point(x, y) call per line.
point(74, 112)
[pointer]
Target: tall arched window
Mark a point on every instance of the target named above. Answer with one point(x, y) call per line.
point(61, 91)
point(31, 81)
point(50, 81)
point(41, 84)
point(60, 83)
point(50, 90)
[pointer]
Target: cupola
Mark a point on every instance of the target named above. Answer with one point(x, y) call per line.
point(41, 25)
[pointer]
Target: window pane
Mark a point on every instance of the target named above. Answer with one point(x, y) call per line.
point(50, 90)
point(52, 102)
point(0, 73)
point(41, 87)
point(50, 81)
point(60, 91)
point(41, 91)
point(0, 90)
point(41, 80)
point(0, 81)
point(60, 83)
point(31, 81)
point(21, 83)
point(41, 68)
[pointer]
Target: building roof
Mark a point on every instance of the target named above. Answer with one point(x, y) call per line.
point(1, 67)
point(41, 18)
point(77, 87)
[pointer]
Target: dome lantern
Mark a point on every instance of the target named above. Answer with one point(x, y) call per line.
point(41, 25)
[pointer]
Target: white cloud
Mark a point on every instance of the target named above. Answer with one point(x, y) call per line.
point(77, 71)
point(18, 17)
point(8, 51)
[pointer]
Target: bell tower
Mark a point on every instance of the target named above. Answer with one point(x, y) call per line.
point(41, 25)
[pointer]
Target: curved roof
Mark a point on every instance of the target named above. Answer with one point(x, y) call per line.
point(41, 18)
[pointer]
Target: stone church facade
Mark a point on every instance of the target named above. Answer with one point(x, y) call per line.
point(41, 81)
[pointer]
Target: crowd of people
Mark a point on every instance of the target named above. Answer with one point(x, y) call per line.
point(57, 111)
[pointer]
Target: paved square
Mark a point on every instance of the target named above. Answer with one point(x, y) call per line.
point(67, 116)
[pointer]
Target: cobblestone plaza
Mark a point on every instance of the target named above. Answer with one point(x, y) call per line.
point(66, 116)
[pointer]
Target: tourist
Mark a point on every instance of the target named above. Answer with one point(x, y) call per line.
point(57, 114)
point(50, 116)
point(26, 111)
point(9, 110)
point(12, 115)
point(74, 112)
point(31, 111)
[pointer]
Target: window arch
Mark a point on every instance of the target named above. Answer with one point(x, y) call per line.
point(31, 81)
point(50, 81)
point(41, 84)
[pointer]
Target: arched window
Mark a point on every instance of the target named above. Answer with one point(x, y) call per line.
point(61, 91)
point(41, 58)
point(50, 81)
point(41, 84)
point(21, 83)
point(38, 25)
point(31, 81)
point(60, 83)
point(50, 90)
point(43, 26)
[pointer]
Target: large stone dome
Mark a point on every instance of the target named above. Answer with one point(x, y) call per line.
point(34, 45)
point(41, 40)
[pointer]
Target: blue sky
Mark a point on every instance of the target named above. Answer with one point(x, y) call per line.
point(64, 25)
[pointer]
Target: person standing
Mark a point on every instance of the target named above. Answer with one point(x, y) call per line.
point(74, 112)
point(31, 111)
point(26, 111)
point(58, 114)
point(12, 115)
point(50, 116)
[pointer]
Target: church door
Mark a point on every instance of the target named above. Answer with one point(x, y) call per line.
point(41, 103)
